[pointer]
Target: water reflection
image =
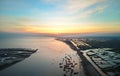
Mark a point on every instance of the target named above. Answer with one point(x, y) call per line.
point(45, 62)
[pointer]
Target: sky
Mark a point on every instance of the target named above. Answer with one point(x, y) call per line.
point(60, 16)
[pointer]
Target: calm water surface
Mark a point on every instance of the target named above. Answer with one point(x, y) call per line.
point(45, 62)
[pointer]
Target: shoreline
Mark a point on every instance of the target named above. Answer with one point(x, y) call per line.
point(11, 56)
point(88, 68)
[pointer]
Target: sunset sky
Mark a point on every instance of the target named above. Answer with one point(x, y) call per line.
point(60, 16)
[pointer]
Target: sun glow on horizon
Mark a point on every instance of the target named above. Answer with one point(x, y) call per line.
point(59, 16)
point(82, 28)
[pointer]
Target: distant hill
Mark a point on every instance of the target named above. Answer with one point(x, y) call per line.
point(92, 35)
point(17, 35)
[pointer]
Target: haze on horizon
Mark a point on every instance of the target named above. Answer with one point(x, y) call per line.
point(60, 16)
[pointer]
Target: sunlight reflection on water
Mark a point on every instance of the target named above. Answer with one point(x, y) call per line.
point(45, 62)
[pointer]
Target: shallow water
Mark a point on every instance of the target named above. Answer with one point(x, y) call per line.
point(45, 62)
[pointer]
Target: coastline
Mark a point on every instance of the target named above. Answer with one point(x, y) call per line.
point(11, 56)
point(89, 69)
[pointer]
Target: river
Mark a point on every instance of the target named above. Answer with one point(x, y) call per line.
point(45, 62)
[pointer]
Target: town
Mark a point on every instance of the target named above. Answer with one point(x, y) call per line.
point(102, 53)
